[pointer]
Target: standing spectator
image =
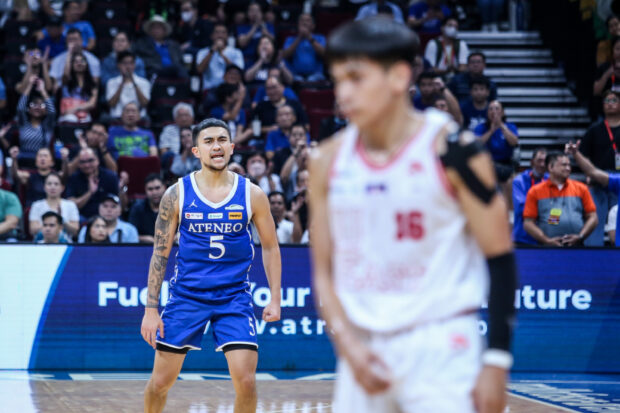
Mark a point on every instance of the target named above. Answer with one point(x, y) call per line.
point(248, 35)
point(96, 232)
point(520, 187)
point(128, 139)
point(500, 138)
point(51, 229)
point(88, 186)
point(79, 92)
point(169, 139)
point(34, 180)
point(459, 85)
point(212, 61)
point(54, 202)
point(260, 172)
point(36, 65)
point(375, 7)
point(298, 134)
point(52, 38)
point(160, 55)
point(194, 31)
point(74, 46)
point(10, 214)
point(608, 74)
point(298, 161)
point(330, 125)
point(601, 145)
point(559, 212)
point(97, 140)
point(185, 162)
point(284, 227)
point(109, 66)
point(427, 95)
point(453, 105)
point(72, 12)
point(119, 231)
point(266, 110)
point(604, 47)
point(268, 59)
point(261, 95)
point(127, 87)
point(425, 17)
point(304, 52)
point(144, 212)
point(490, 11)
point(447, 54)
point(36, 118)
point(475, 108)
point(231, 98)
point(279, 138)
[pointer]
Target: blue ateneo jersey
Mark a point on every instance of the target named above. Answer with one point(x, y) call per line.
point(215, 245)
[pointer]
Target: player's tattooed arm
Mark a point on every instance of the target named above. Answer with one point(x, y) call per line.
point(165, 231)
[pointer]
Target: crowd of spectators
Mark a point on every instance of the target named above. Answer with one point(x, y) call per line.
point(96, 123)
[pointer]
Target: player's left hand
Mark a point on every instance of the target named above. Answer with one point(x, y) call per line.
point(271, 312)
point(490, 392)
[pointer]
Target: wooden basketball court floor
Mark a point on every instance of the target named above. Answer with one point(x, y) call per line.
point(114, 393)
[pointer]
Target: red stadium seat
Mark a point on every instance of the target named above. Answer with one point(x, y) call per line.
point(317, 99)
point(326, 20)
point(138, 169)
point(315, 116)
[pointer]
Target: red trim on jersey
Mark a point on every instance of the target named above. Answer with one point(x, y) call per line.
point(359, 148)
point(441, 172)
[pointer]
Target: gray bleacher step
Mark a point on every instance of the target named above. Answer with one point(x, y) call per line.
point(551, 132)
point(483, 43)
point(542, 142)
point(538, 99)
point(523, 72)
point(535, 111)
point(529, 80)
point(534, 91)
point(548, 119)
point(480, 35)
point(513, 53)
point(505, 61)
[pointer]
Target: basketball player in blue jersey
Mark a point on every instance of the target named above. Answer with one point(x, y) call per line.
point(212, 209)
point(409, 238)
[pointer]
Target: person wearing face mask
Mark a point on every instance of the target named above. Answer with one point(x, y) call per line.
point(447, 54)
point(193, 31)
point(261, 174)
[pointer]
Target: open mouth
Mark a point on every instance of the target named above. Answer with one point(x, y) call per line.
point(217, 156)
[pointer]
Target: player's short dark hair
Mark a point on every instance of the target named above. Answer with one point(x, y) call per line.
point(426, 75)
point(477, 53)
point(152, 177)
point(53, 214)
point(552, 157)
point(125, 53)
point(480, 80)
point(209, 123)
point(378, 38)
point(73, 30)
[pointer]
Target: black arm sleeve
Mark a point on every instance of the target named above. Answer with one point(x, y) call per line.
point(503, 273)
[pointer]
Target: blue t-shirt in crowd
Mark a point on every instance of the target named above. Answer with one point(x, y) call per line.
point(614, 186)
point(123, 142)
point(277, 140)
point(500, 149)
point(417, 102)
point(249, 52)
point(85, 28)
point(56, 46)
point(261, 94)
point(2, 90)
point(164, 53)
point(473, 117)
point(304, 60)
point(218, 112)
point(419, 10)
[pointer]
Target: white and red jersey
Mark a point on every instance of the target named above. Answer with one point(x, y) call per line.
point(402, 255)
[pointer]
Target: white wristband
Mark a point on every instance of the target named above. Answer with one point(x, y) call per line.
point(497, 358)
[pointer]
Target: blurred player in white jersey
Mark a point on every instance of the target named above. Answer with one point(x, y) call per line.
point(407, 231)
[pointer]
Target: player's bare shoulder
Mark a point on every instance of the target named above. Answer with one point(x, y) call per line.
point(169, 205)
point(323, 156)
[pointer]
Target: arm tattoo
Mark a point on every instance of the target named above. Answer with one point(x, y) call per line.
point(164, 234)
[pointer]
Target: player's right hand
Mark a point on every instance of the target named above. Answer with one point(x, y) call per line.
point(369, 370)
point(150, 323)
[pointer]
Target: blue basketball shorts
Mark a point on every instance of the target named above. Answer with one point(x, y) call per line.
point(228, 310)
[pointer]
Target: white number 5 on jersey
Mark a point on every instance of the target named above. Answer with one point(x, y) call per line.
point(217, 245)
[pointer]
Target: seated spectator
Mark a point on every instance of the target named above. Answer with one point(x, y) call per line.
point(266, 110)
point(601, 145)
point(232, 76)
point(248, 35)
point(127, 87)
point(520, 187)
point(10, 214)
point(261, 95)
point(96, 139)
point(608, 74)
point(374, 8)
point(460, 83)
point(231, 98)
point(54, 202)
point(329, 126)
point(170, 138)
point(425, 17)
point(72, 13)
point(475, 108)
point(51, 38)
point(109, 66)
point(61, 64)
point(279, 138)
point(96, 231)
point(267, 59)
point(500, 138)
point(36, 65)
point(427, 91)
point(79, 93)
point(212, 61)
point(128, 139)
point(36, 118)
point(261, 174)
point(161, 55)
point(453, 105)
point(604, 48)
point(118, 231)
point(298, 133)
point(304, 52)
point(490, 11)
point(51, 229)
point(144, 212)
point(446, 53)
point(90, 184)
point(296, 162)
point(34, 180)
point(185, 162)
point(193, 31)
point(559, 212)
point(284, 227)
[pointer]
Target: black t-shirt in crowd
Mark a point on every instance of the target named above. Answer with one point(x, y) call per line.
point(266, 112)
point(143, 217)
point(597, 146)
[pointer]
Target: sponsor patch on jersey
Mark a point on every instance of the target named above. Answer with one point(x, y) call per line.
point(215, 215)
point(234, 207)
point(235, 215)
point(193, 215)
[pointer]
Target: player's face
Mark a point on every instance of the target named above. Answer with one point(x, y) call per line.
point(213, 148)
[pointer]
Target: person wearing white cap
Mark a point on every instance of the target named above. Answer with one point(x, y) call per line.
point(160, 54)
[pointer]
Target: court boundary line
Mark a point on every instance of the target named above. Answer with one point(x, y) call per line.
point(519, 396)
point(302, 408)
